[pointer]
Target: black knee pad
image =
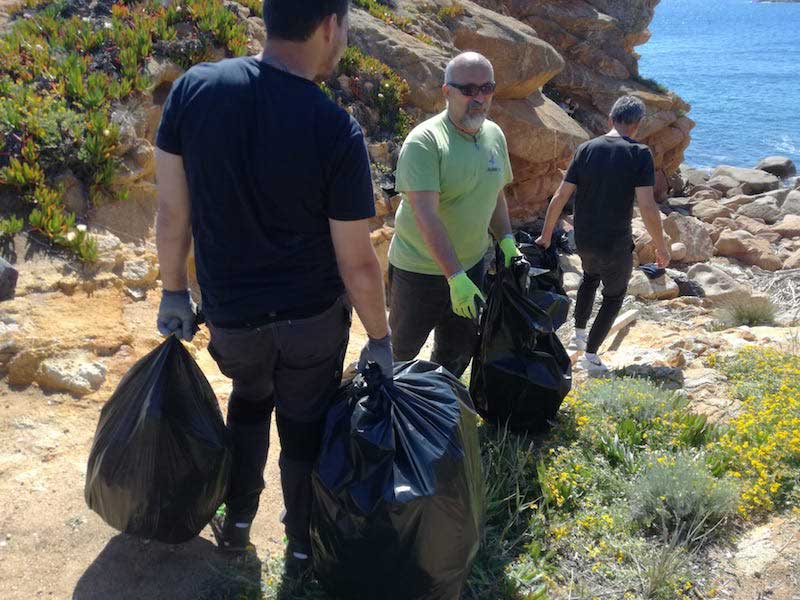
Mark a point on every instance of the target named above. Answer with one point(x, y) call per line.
point(300, 441)
point(247, 412)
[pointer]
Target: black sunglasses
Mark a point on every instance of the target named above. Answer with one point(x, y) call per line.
point(473, 89)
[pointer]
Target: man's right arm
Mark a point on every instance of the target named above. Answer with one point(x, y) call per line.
point(554, 210)
point(652, 222)
point(426, 214)
point(361, 274)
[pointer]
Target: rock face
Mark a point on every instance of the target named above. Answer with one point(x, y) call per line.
point(582, 54)
point(596, 38)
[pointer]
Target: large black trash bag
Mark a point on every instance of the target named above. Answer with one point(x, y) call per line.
point(547, 274)
point(547, 278)
point(161, 458)
point(399, 496)
point(521, 372)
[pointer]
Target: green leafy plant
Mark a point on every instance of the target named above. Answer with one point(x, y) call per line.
point(11, 225)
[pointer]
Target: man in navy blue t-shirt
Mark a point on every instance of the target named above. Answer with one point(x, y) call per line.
point(272, 181)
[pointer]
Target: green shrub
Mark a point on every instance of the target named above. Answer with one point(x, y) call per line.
point(387, 92)
point(679, 497)
point(385, 14)
point(751, 313)
point(451, 11)
point(10, 226)
point(651, 83)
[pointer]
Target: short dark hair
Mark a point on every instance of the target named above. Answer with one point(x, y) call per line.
point(628, 110)
point(296, 20)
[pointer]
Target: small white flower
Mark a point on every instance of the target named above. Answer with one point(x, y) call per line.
point(81, 227)
point(71, 236)
point(107, 24)
point(85, 19)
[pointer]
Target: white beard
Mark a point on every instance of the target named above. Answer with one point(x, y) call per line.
point(473, 122)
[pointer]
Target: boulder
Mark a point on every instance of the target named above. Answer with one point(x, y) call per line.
point(522, 61)
point(139, 272)
point(791, 205)
point(132, 219)
point(70, 374)
point(780, 166)
point(381, 238)
point(754, 226)
point(707, 194)
point(708, 210)
point(420, 64)
point(750, 181)
point(747, 248)
point(678, 251)
point(693, 178)
point(793, 262)
point(766, 209)
point(537, 129)
point(692, 234)
point(572, 281)
point(661, 288)
point(735, 202)
point(8, 280)
point(74, 195)
point(723, 184)
point(718, 286)
point(788, 227)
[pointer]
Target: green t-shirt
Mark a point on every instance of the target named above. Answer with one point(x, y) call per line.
point(467, 171)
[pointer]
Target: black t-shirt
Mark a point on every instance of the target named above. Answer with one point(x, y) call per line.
point(607, 171)
point(268, 160)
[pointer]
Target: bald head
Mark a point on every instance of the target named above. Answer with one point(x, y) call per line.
point(467, 63)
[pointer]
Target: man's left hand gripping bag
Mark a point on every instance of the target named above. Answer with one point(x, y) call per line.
point(161, 458)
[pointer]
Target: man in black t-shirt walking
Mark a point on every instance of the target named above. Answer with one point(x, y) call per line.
point(272, 180)
point(606, 175)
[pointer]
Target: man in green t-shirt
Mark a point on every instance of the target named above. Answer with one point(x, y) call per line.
point(451, 171)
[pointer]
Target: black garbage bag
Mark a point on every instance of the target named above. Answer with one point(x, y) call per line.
point(161, 458)
point(398, 490)
point(521, 372)
point(546, 274)
point(555, 305)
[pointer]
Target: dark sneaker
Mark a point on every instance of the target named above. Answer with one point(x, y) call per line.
point(297, 560)
point(230, 538)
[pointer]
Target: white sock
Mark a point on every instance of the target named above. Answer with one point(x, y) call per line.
point(580, 334)
point(591, 357)
point(242, 525)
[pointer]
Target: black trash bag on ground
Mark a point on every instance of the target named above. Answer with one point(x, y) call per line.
point(161, 458)
point(399, 495)
point(521, 372)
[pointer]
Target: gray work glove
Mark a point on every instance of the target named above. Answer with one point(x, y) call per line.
point(177, 314)
point(379, 352)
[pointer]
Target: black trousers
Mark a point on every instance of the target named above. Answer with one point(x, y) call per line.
point(420, 304)
point(614, 271)
point(294, 368)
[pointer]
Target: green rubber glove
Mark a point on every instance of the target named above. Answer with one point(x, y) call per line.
point(462, 295)
point(509, 248)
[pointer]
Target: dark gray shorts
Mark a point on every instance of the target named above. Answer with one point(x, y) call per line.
point(296, 363)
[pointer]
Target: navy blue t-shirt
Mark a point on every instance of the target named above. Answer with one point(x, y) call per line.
point(268, 160)
point(607, 171)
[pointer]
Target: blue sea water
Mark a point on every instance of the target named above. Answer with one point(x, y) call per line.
point(737, 62)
